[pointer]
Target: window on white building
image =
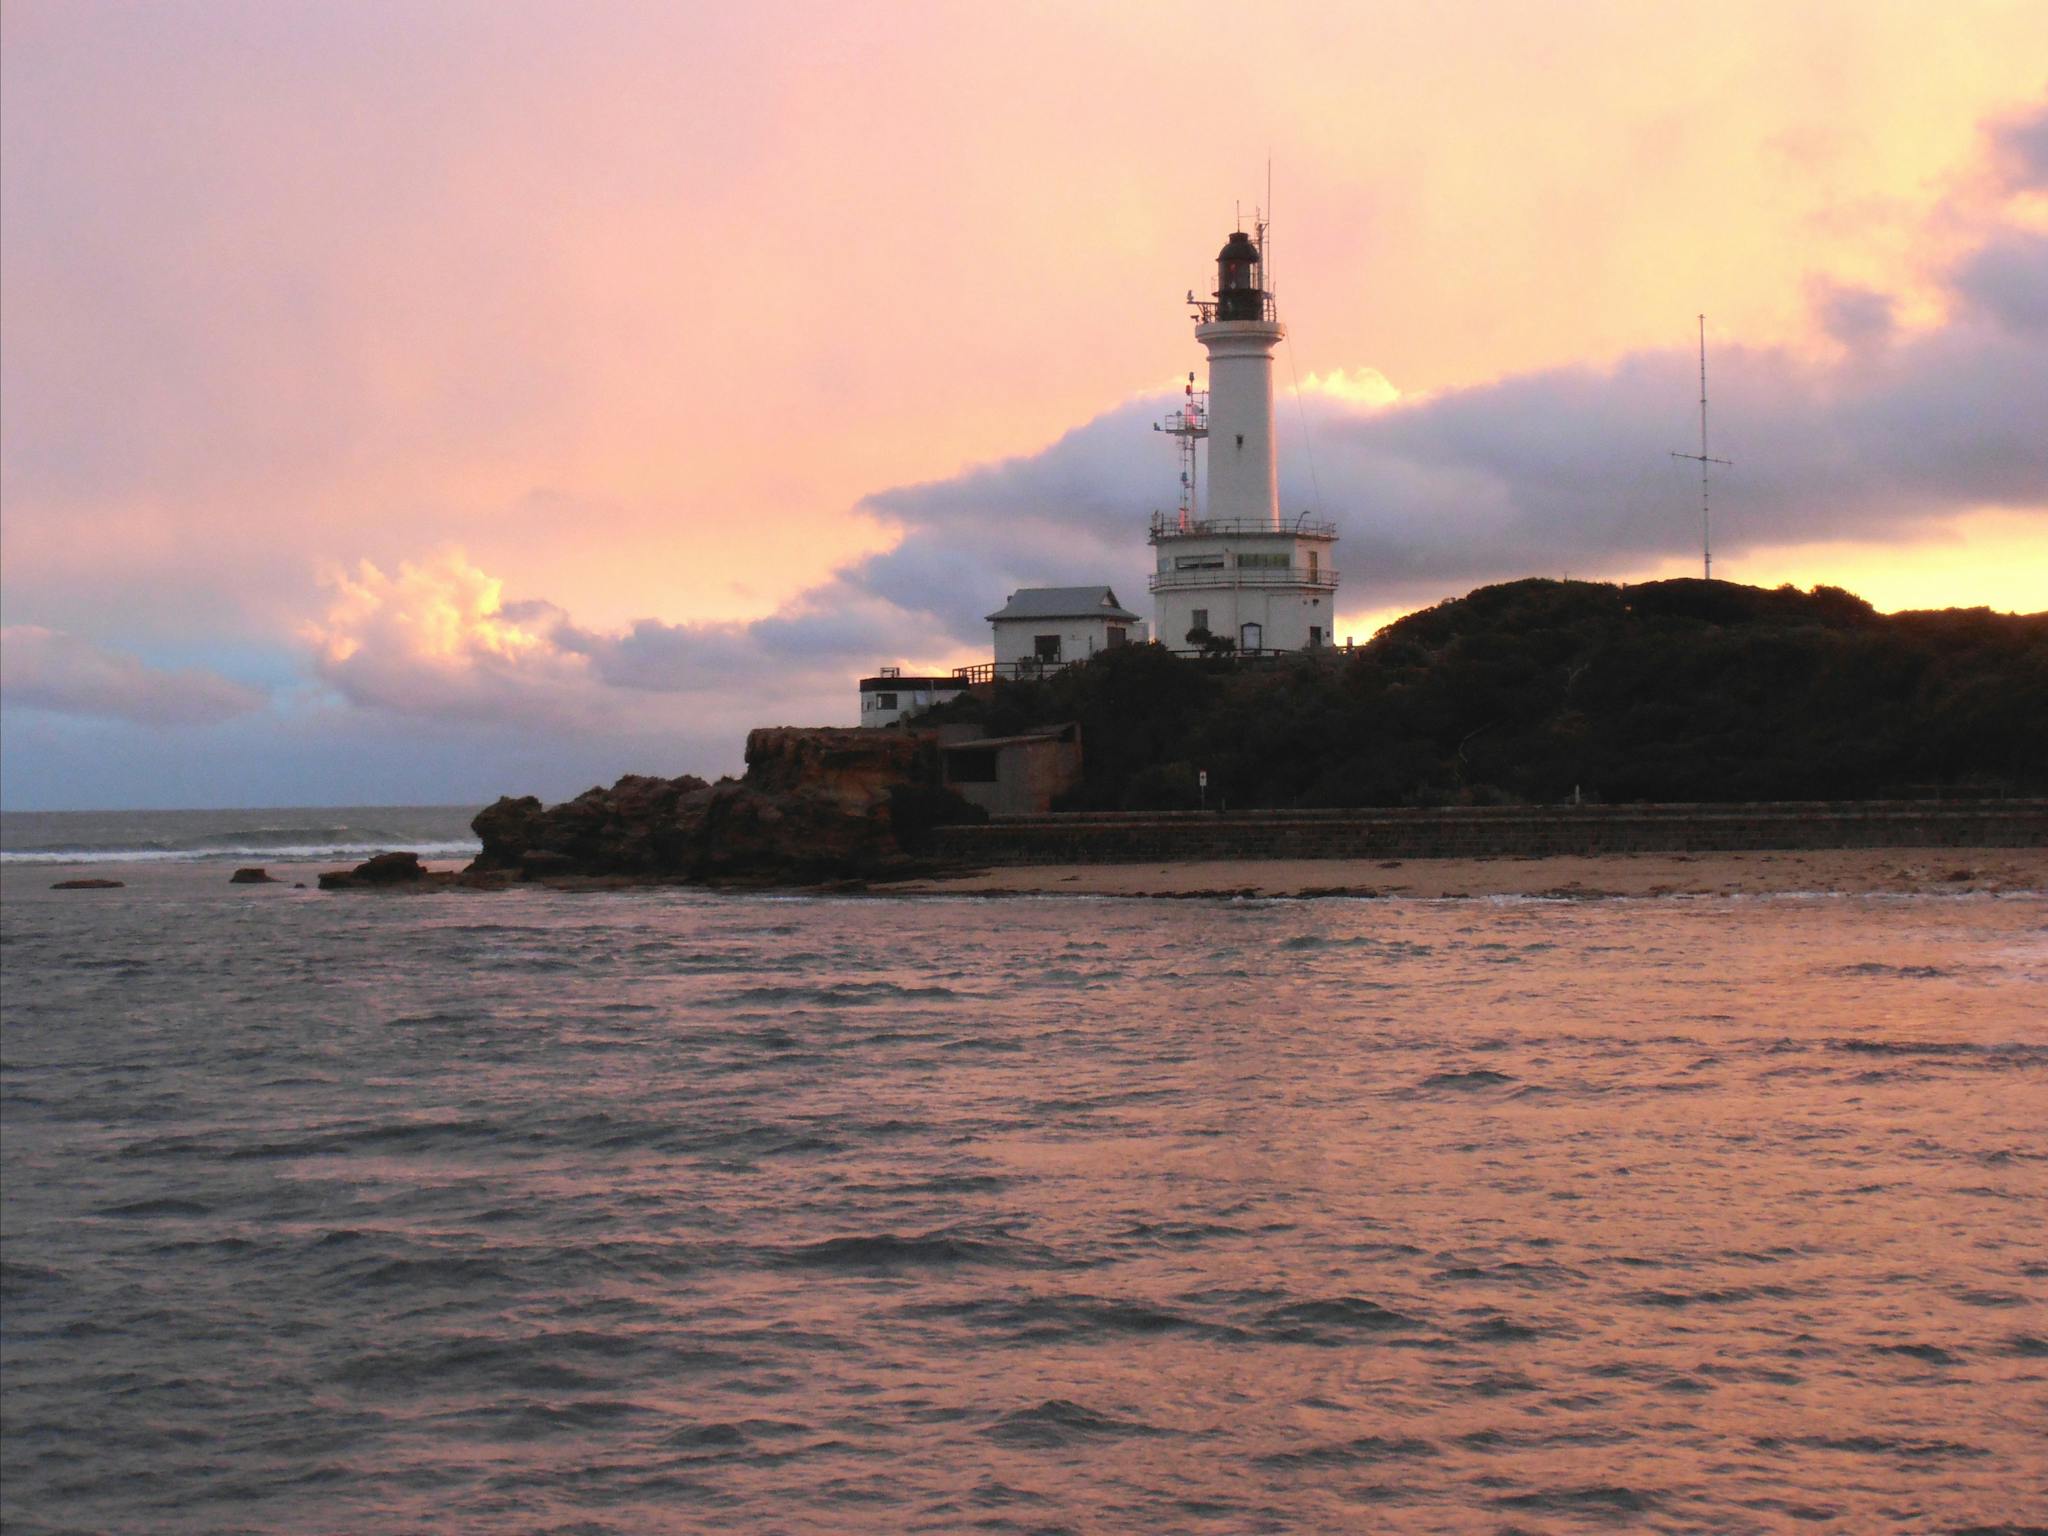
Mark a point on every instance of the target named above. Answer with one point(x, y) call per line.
point(1045, 647)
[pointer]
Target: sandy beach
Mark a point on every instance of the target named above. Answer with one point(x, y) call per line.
point(1856, 871)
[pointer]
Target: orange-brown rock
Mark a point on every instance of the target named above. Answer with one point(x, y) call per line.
point(816, 805)
point(850, 768)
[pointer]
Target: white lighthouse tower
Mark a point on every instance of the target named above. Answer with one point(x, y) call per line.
point(1236, 573)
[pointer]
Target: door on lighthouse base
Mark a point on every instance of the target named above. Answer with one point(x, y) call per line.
point(1251, 637)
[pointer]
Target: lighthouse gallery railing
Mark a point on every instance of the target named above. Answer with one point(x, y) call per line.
point(1167, 526)
point(1215, 576)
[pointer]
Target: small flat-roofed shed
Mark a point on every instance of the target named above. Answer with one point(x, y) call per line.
point(1014, 775)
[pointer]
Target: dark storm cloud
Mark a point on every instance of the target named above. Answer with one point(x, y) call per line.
point(2007, 279)
point(1855, 317)
point(790, 646)
point(1071, 515)
point(2020, 149)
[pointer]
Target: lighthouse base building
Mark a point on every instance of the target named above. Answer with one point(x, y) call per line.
point(1246, 583)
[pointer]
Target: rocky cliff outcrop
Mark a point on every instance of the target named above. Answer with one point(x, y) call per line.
point(816, 805)
point(632, 828)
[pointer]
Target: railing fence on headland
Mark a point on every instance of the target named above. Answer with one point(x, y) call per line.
point(1037, 671)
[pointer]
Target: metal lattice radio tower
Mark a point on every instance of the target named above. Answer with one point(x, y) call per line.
point(1189, 423)
point(1703, 459)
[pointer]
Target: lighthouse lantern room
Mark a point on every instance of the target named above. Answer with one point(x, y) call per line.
point(1233, 572)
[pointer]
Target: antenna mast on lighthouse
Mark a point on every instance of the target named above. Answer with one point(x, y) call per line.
point(1189, 423)
point(1703, 460)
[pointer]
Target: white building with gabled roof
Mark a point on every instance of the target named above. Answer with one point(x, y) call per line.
point(1041, 629)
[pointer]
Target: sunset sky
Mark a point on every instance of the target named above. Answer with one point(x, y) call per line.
point(413, 402)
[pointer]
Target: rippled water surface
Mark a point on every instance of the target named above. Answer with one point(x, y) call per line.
point(663, 1211)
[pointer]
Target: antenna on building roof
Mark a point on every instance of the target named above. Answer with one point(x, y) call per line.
point(1703, 459)
point(1190, 423)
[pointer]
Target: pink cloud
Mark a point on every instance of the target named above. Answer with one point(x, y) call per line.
point(437, 637)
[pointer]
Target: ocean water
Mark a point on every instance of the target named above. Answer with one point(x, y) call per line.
point(348, 833)
point(667, 1211)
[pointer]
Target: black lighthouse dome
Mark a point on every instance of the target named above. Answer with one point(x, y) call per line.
point(1239, 293)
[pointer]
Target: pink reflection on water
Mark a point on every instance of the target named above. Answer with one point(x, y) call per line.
point(828, 1216)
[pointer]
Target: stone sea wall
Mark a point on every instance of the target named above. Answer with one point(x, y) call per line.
point(1495, 831)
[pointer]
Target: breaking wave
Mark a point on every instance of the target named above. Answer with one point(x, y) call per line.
point(286, 836)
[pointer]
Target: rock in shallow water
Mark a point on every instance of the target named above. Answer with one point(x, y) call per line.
point(395, 870)
point(89, 885)
point(253, 876)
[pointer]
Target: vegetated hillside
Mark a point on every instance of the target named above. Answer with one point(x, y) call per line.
point(1669, 690)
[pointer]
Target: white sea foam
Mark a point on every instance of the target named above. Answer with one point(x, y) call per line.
point(284, 834)
point(283, 852)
